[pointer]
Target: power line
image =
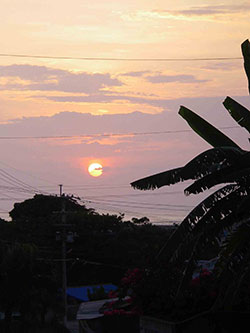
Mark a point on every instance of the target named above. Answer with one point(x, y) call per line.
point(116, 59)
point(121, 205)
point(117, 210)
point(90, 197)
point(140, 203)
point(26, 173)
point(102, 135)
point(16, 181)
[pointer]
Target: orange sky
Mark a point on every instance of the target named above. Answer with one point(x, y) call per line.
point(119, 29)
point(48, 97)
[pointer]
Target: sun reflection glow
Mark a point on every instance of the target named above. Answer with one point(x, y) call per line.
point(95, 169)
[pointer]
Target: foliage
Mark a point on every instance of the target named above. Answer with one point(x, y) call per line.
point(97, 293)
point(245, 48)
point(104, 246)
point(25, 286)
point(43, 206)
point(219, 224)
point(238, 112)
point(207, 131)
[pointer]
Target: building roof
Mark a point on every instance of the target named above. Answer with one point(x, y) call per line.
point(90, 310)
point(81, 293)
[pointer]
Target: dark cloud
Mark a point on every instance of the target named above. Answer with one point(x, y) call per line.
point(173, 78)
point(135, 74)
point(210, 10)
point(101, 98)
point(104, 98)
point(75, 123)
point(109, 97)
point(30, 72)
point(221, 66)
point(49, 79)
point(93, 98)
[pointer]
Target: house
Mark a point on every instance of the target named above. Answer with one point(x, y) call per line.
point(82, 293)
point(89, 316)
point(92, 319)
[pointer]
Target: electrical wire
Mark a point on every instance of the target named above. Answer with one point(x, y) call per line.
point(17, 181)
point(15, 185)
point(141, 203)
point(117, 59)
point(138, 206)
point(26, 173)
point(99, 135)
point(115, 210)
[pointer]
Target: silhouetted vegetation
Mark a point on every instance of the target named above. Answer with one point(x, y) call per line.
point(101, 248)
point(220, 224)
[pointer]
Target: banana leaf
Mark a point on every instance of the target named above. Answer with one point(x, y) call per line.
point(228, 175)
point(188, 224)
point(203, 164)
point(238, 112)
point(209, 218)
point(204, 129)
point(245, 48)
point(158, 180)
point(236, 172)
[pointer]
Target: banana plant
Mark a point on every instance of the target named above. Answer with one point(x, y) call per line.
point(226, 209)
point(207, 131)
point(239, 113)
point(245, 49)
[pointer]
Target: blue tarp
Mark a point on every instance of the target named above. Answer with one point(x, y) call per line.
point(81, 293)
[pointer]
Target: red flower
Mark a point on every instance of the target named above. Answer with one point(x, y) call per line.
point(205, 272)
point(112, 294)
point(195, 282)
point(132, 277)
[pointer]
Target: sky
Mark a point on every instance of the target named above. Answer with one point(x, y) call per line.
point(102, 82)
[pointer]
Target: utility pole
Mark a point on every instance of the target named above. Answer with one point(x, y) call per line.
point(60, 187)
point(63, 236)
point(64, 268)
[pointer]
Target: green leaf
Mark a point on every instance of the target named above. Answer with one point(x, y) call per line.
point(238, 112)
point(245, 48)
point(207, 131)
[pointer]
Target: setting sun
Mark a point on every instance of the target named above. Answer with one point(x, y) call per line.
point(95, 169)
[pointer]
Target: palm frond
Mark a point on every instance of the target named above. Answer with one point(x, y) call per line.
point(239, 113)
point(227, 175)
point(237, 241)
point(158, 180)
point(235, 271)
point(237, 172)
point(205, 130)
point(245, 48)
point(243, 209)
point(203, 164)
point(171, 246)
point(188, 269)
point(233, 265)
point(210, 219)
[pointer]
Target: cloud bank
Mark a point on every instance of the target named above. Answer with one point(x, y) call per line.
point(49, 79)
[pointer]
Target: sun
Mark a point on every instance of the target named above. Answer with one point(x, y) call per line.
point(95, 169)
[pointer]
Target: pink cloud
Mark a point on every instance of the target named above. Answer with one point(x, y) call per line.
point(49, 79)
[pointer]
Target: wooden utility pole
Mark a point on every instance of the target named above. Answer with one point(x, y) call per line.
point(60, 187)
point(64, 268)
point(64, 237)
